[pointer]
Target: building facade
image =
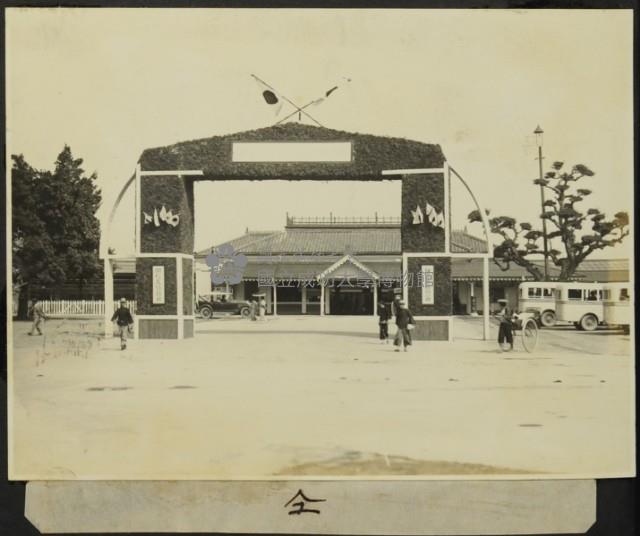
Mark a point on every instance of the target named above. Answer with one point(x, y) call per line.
point(359, 262)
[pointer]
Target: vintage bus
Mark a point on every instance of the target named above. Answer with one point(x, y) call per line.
point(580, 303)
point(539, 296)
point(617, 304)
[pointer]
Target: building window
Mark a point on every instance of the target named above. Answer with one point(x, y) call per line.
point(427, 284)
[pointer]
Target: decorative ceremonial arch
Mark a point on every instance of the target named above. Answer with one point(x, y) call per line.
point(164, 214)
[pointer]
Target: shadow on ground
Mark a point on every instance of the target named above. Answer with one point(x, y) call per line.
point(355, 463)
point(290, 332)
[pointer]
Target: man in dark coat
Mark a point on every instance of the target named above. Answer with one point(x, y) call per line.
point(122, 317)
point(384, 314)
point(405, 322)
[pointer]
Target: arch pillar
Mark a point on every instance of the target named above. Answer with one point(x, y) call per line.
point(164, 254)
point(426, 256)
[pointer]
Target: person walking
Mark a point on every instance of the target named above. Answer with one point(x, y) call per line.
point(505, 332)
point(37, 314)
point(405, 323)
point(394, 305)
point(384, 314)
point(253, 308)
point(262, 307)
point(123, 319)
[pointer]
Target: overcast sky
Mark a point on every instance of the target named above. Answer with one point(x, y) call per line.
point(111, 83)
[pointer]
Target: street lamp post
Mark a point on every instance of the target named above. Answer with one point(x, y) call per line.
point(538, 132)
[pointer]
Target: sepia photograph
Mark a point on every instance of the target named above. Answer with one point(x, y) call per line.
point(286, 244)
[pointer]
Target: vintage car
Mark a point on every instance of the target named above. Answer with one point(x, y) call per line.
point(219, 303)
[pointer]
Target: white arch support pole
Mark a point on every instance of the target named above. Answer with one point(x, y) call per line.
point(485, 298)
point(485, 259)
point(108, 297)
point(104, 254)
point(106, 232)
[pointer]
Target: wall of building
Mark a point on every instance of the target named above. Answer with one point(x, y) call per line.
point(203, 278)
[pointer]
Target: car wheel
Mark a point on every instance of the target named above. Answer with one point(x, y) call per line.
point(245, 312)
point(589, 322)
point(206, 312)
point(548, 319)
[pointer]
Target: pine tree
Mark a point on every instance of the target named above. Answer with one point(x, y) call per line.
point(55, 231)
point(579, 231)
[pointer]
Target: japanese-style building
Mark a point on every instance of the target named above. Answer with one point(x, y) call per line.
point(358, 261)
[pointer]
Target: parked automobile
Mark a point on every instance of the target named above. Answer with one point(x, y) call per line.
point(221, 303)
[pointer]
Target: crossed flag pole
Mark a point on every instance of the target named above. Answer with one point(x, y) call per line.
point(273, 97)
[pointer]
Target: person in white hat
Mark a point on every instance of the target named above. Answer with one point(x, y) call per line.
point(405, 322)
point(123, 319)
point(505, 333)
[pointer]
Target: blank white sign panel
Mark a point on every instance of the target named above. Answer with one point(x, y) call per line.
point(158, 284)
point(292, 151)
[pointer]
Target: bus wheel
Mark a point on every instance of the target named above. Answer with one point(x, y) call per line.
point(589, 322)
point(548, 319)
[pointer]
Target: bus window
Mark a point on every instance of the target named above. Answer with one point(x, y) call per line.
point(574, 294)
point(591, 295)
point(535, 292)
point(607, 294)
point(548, 292)
point(624, 294)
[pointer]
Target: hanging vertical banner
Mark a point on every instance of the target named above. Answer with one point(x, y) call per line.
point(426, 282)
point(158, 285)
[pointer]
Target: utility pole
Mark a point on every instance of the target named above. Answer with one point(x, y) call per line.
point(538, 132)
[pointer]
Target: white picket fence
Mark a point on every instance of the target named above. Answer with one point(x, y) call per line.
point(63, 308)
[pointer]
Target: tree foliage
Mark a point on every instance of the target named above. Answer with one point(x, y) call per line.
point(55, 233)
point(577, 232)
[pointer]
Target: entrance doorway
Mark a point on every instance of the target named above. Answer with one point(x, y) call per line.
point(351, 301)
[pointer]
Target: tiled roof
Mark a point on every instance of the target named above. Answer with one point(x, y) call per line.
point(305, 269)
point(471, 269)
point(337, 241)
point(604, 270)
point(590, 265)
point(276, 248)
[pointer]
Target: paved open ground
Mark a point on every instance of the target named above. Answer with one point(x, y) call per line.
point(310, 396)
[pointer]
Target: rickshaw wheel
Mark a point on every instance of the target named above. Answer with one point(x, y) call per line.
point(530, 335)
